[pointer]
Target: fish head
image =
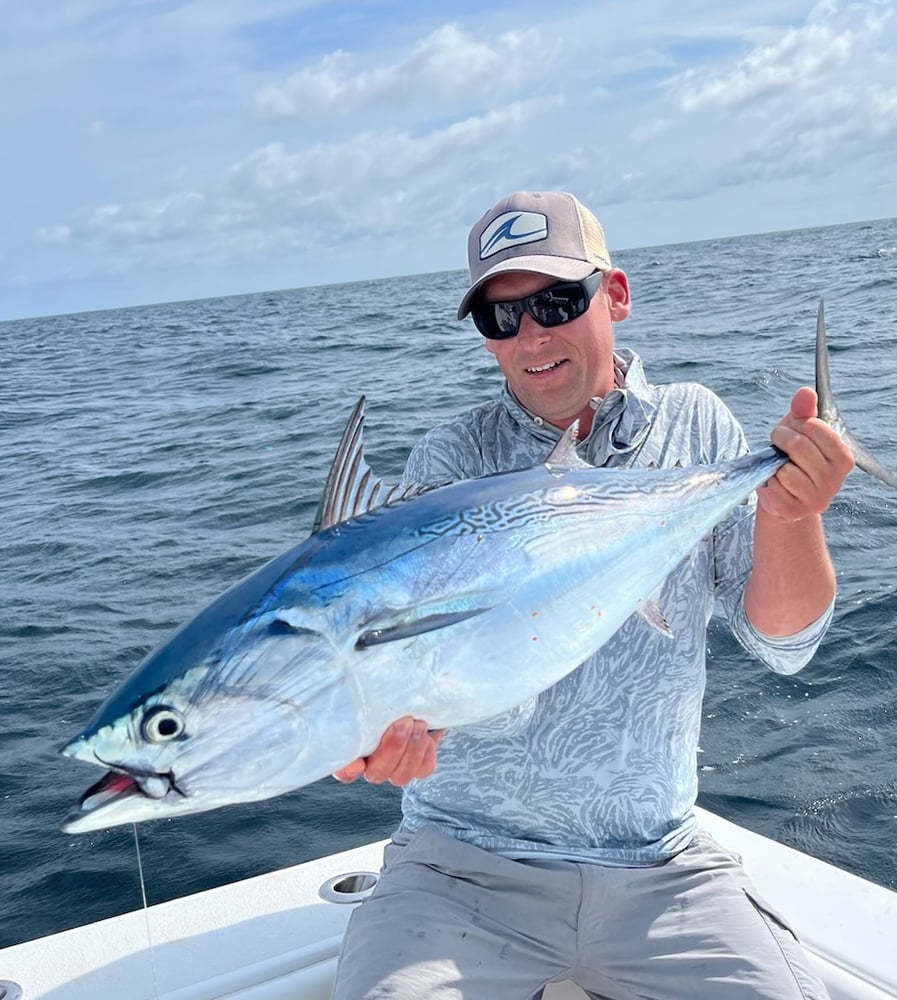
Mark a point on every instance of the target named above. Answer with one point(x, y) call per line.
point(212, 717)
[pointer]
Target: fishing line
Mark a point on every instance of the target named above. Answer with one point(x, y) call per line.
point(149, 936)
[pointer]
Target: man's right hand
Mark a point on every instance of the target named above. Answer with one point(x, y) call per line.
point(406, 751)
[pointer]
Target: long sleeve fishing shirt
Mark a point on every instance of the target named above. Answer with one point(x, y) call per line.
point(601, 767)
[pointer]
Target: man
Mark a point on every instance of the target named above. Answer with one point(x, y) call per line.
point(559, 841)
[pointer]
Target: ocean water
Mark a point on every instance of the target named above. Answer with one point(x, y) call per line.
point(151, 456)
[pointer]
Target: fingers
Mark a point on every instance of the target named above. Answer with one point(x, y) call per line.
point(820, 462)
point(803, 403)
point(406, 751)
point(400, 754)
point(351, 771)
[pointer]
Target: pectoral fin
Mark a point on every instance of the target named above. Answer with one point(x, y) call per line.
point(414, 625)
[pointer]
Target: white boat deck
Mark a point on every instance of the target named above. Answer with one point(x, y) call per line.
point(274, 938)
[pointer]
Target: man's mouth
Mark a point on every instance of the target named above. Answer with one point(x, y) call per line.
point(541, 369)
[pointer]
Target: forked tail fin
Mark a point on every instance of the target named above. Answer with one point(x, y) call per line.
point(828, 409)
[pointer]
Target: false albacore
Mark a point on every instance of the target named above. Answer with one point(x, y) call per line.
point(452, 605)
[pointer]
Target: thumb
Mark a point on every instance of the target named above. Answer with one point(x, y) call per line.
point(804, 403)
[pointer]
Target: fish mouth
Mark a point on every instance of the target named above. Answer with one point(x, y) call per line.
point(111, 794)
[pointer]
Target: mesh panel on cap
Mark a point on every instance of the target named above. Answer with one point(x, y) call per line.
point(592, 235)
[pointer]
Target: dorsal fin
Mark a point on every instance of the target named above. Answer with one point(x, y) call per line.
point(351, 487)
point(829, 412)
point(563, 455)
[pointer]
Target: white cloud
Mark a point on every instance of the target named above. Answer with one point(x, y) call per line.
point(368, 158)
point(818, 100)
point(643, 133)
point(447, 63)
point(162, 219)
point(813, 55)
point(53, 234)
point(371, 184)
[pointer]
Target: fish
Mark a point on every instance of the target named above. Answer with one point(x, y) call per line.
point(452, 604)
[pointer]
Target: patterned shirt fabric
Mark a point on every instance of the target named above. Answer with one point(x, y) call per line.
point(601, 767)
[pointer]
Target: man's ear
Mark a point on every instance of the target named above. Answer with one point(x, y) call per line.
point(617, 288)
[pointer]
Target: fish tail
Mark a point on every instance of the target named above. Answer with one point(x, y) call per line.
point(829, 412)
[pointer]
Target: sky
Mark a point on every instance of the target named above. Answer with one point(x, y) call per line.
point(160, 150)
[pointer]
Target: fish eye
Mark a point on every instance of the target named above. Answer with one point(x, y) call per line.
point(161, 724)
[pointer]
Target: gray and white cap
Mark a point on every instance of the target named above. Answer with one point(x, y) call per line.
point(546, 232)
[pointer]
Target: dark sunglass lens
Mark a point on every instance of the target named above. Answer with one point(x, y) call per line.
point(488, 319)
point(507, 317)
point(558, 304)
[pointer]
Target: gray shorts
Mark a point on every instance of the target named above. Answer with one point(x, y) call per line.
point(449, 921)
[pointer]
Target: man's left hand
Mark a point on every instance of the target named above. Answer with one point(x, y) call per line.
point(407, 751)
point(820, 462)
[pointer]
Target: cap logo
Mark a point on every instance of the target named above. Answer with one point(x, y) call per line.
point(511, 229)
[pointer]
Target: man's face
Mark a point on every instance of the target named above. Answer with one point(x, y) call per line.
point(555, 371)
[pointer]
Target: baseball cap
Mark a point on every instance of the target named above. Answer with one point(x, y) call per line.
point(547, 232)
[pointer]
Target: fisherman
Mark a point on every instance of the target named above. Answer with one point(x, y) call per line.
point(559, 841)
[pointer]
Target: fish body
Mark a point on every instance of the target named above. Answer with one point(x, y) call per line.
point(453, 606)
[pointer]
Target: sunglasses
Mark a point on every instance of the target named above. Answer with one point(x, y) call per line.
point(553, 306)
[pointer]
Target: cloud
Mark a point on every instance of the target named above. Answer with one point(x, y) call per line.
point(371, 184)
point(147, 221)
point(448, 63)
point(818, 99)
point(53, 234)
point(816, 54)
point(372, 157)
point(643, 133)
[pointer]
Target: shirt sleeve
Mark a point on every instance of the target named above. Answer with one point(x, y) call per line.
point(733, 550)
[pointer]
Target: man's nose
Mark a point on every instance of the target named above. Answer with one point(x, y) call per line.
point(529, 329)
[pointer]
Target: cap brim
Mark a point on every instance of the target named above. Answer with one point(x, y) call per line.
point(552, 267)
